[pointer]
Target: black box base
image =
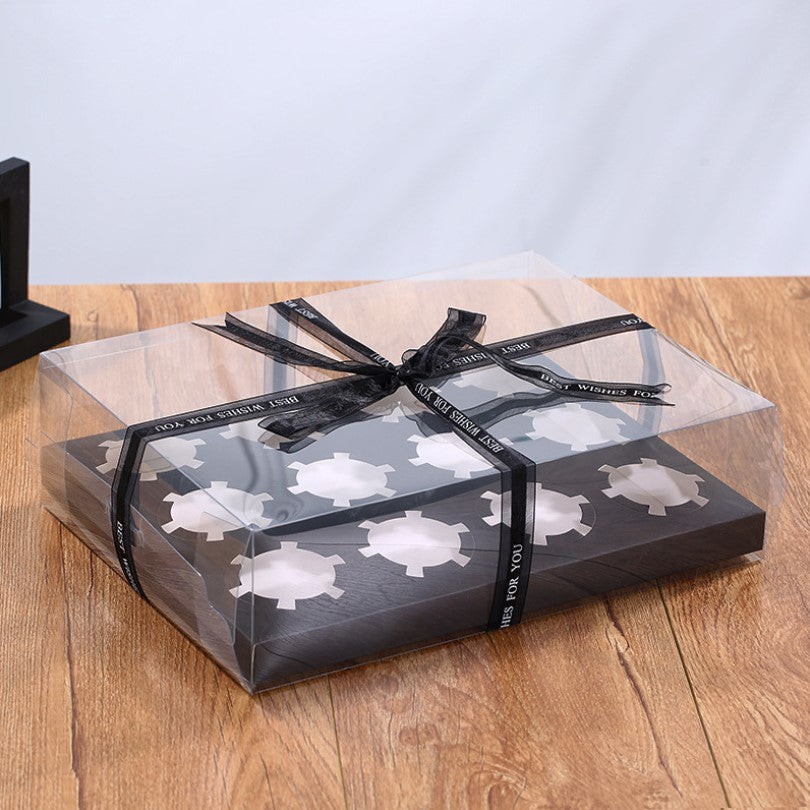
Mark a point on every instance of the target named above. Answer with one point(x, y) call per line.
point(28, 328)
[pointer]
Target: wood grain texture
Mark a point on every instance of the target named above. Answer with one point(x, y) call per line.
point(746, 635)
point(694, 692)
point(583, 708)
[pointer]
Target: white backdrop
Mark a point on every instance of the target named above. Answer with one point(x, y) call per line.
point(191, 140)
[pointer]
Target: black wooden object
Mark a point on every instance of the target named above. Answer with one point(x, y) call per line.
point(26, 328)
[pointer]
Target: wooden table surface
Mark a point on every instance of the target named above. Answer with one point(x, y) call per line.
point(693, 691)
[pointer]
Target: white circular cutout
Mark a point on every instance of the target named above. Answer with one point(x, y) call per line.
point(288, 574)
point(554, 513)
point(571, 424)
point(215, 510)
point(415, 542)
point(341, 479)
point(446, 451)
point(653, 485)
point(159, 456)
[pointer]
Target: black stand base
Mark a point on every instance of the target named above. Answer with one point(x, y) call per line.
point(27, 329)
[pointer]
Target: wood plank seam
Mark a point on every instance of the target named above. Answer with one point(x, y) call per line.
point(698, 711)
point(735, 370)
point(628, 671)
point(75, 744)
point(337, 743)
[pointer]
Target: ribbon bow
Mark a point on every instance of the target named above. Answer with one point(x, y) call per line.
point(371, 377)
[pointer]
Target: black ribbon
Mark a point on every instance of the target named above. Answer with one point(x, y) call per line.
point(375, 377)
point(368, 377)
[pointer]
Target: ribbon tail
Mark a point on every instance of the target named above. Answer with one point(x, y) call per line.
point(641, 393)
point(599, 390)
point(302, 314)
point(280, 349)
point(448, 340)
